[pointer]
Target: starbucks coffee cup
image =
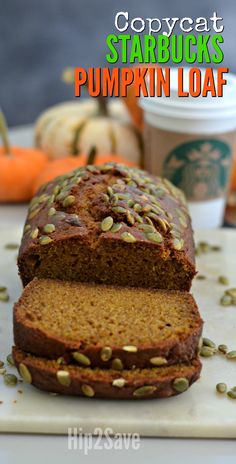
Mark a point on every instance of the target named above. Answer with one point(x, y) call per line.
point(190, 141)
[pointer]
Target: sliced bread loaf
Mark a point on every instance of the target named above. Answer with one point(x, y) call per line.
point(104, 383)
point(111, 327)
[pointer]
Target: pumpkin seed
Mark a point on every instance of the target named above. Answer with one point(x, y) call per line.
point(130, 348)
point(147, 228)
point(137, 207)
point(181, 384)
point(223, 348)
point(10, 379)
point(163, 224)
point(117, 364)
point(34, 233)
point(231, 292)
point(119, 209)
point(87, 390)
point(183, 221)
point(34, 213)
point(116, 227)
point(56, 190)
point(200, 343)
point(221, 387)
point(130, 218)
point(45, 240)
point(2, 370)
point(226, 300)
point(206, 351)
point(107, 224)
point(158, 361)
point(11, 246)
point(223, 280)
point(60, 360)
point(106, 353)
point(178, 244)
point(119, 383)
point(25, 373)
point(208, 342)
point(231, 355)
point(68, 201)
point(27, 228)
point(128, 237)
point(10, 360)
point(51, 212)
point(4, 297)
point(231, 394)
point(145, 390)
point(81, 358)
point(105, 197)
point(3, 289)
point(155, 237)
point(109, 191)
point(63, 378)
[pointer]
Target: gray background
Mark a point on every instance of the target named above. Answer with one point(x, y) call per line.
point(38, 38)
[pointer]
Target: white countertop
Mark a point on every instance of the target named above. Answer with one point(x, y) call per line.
point(37, 448)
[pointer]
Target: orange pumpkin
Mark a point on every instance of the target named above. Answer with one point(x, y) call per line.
point(62, 166)
point(19, 168)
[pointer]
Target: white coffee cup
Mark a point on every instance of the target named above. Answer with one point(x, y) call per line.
point(190, 141)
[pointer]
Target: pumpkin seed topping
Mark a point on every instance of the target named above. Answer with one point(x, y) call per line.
point(119, 383)
point(34, 213)
point(106, 353)
point(137, 207)
point(51, 211)
point(155, 237)
point(10, 380)
point(68, 201)
point(63, 378)
point(116, 227)
point(231, 355)
point(178, 244)
point(158, 361)
point(2, 370)
point(45, 240)
point(119, 209)
point(107, 224)
point(130, 348)
point(10, 360)
point(27, 228)
point(105, 197)
point(130, 218)
point(145, 390)
point(87, 390)
point(181, 384)
point(147, 228)
point(34, 233)
point(56, 190)
point(128, 237)
point(221, 387)
point(117, 364)
point(25, 373)
point(81, 358)
point(109, 191)
point(223, 280)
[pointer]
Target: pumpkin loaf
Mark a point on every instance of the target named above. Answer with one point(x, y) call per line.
point(97, 325)
point(157, 382)
point(109, 224)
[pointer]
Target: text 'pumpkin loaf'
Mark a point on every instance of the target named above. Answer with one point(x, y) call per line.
point(109, 224)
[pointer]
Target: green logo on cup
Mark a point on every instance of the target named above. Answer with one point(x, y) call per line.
point(200, 168)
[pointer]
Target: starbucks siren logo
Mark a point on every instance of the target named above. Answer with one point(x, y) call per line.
point(200, 168)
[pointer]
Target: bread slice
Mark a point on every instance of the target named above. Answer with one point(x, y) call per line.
point(103, 383)
point(109, 224)
point(105, 326)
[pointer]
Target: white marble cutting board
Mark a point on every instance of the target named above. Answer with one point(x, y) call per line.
point(200, 412)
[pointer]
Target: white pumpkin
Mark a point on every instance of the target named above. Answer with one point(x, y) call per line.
point(72, 128)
